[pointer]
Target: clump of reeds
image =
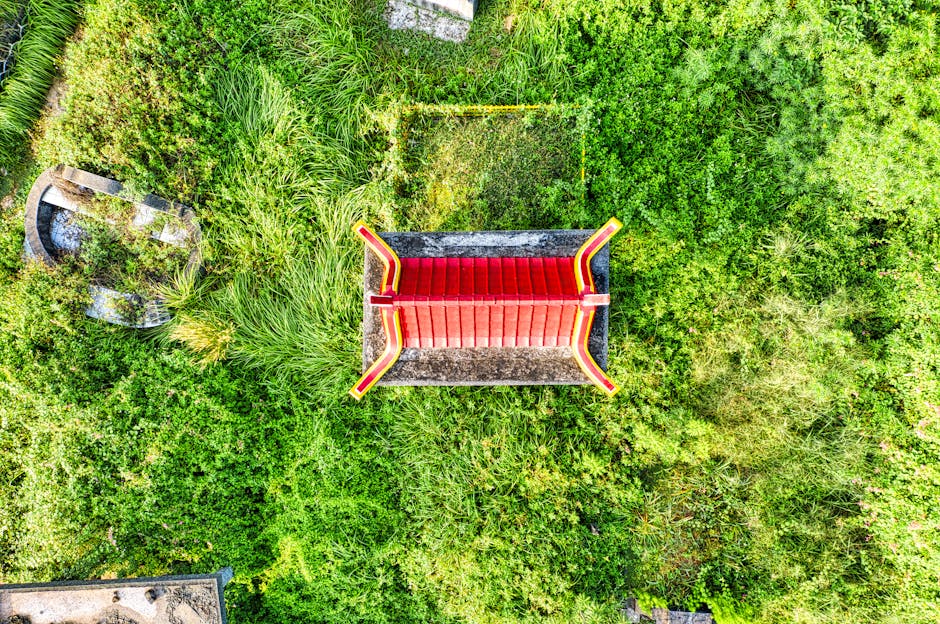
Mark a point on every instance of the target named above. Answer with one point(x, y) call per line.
point(23, 91)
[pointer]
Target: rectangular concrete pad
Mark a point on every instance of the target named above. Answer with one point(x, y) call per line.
point(492, 366)
point(161, 600)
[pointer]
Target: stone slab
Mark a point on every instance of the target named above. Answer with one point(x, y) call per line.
point(162, 600)
point(64, 232)
point(634, 614)
point(405, 15)
point(110, 305)
point(492, 366)
point(465, 9)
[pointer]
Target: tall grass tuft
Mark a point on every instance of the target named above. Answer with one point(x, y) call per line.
point(208, 337)
point(22, 93)
point(274, 173)
point(300, 325)
point(296, 321)
point(335, 48)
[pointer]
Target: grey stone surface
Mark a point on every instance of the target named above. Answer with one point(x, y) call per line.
point(633, 613)
point(144, 217)
point(170, 231)
point(524, 244)
point(492, 366)
point(64, 231)
point(127, 309)
point(405, 15)
point(465, 9)
point(163, 600)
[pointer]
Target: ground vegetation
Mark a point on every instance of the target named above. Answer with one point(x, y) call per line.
point(774, 317)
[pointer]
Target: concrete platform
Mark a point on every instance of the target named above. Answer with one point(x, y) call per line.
point(161, 600)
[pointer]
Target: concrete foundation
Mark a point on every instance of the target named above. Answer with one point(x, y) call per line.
point(161, 600)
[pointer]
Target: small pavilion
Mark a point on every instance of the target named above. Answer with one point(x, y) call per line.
point(486, 308)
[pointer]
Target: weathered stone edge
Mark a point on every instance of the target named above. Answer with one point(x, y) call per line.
point(220, 579)
point(435, 6)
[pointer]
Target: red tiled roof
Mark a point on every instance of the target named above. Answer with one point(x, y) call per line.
point(487, 276)
point(487, 302)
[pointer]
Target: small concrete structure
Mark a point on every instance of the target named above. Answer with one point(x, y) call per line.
point(636, 615)
point(448, 20)
point(196, 599)
point(51, 230)
point(486, 308)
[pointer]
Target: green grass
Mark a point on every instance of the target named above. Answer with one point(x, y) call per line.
point(512, 171)
point(775, 293)
point(23, 91)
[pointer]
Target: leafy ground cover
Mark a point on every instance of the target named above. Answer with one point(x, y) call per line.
point(773, 452)
point(111, 251)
